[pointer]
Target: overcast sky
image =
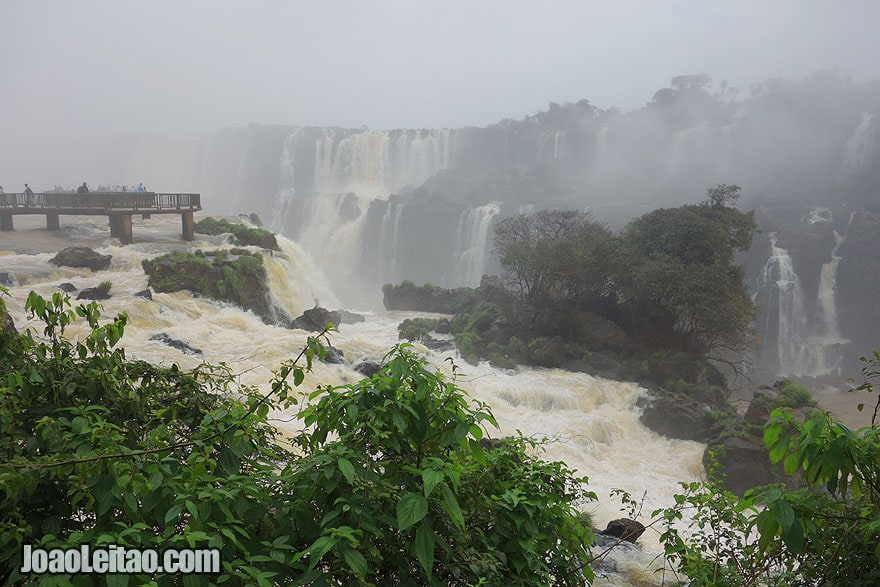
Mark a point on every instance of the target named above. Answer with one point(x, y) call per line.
point(183, 67)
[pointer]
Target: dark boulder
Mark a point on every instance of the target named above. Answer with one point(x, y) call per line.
point(624, 528)
point(6, 322)
point(147, 294)
point(316, 319)
point(346, 317)
point(680, 416)
point(333, 356)
point(442, 326)
point(67, 287)
point(94, 293)
point(426, 298)
point(8, 279)
point(81, 257)
point(368, 368)
point(177, 344)
point(743, 464)
point(596, 333)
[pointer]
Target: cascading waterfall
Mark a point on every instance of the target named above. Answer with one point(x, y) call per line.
point(281, 205)
point(602, 143)
point(469, 262)
point(782, 298)
point(378, 163)
point(824, 349)
point(558, 142)
point(389, 240)
point(814, 351)
point(859, 150)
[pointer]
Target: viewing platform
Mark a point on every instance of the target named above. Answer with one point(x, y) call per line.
point(119, 207)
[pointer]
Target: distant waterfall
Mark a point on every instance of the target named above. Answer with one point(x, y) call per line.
point(389, 241)
point(687, 149)
point(469, 262)
point(378, 163)
point(859, 150)
point(782, 298)
point(602, 143)
point(801, 350)
point(824, 349)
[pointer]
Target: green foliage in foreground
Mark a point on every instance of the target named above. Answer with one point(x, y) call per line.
point(242, 235)
point(386, 485)
point(825, 533)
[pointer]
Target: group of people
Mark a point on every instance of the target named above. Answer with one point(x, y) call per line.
point(83, 189)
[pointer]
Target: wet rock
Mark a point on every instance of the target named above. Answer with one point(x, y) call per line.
point(147, 294)
point(443, 326)
point(624, 528)
point(8, 279)
point(177, 344)
point(680, 416)
point(94, 293)
point(333, 356)
point(346, 317)
point(67, 287)
point(316, 319)
point(426, 298)
point(81, 257)
point(368, 368)
point(6, 322)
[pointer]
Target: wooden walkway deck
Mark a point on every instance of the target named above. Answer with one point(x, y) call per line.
point(117, 206)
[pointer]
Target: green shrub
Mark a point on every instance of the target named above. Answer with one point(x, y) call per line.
point(242, 235)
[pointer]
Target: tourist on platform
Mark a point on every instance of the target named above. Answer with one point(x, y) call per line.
point(141, 187)
point(28, 195)
point(83, 189)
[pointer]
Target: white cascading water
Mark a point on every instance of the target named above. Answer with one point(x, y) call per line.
point(780, 293)
point(472, 237)
point(389, 243)
point(559, 143)
point(602, 143)
point(825, 346)
point(859, 150)
point(378, 163)
point(592, 424)
point(801, 350)
point(688, 148)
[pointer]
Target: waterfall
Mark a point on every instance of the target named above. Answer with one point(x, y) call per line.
point(602, 143)
point(389, 241)
point(469, 262)
point(859, 150)
point(558, 137)
point(824, 349)
point(378, 163)
point(687, 149)
point(780, 294)
point(814, 351)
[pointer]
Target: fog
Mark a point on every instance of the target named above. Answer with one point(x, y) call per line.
point(73, 75)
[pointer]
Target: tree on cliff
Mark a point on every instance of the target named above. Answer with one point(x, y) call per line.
point(670, 278)
point(679, 284)
point(553, 261)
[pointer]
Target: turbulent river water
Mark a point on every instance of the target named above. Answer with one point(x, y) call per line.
point(591, 424)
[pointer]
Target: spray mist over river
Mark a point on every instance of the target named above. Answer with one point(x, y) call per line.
point(591, 424)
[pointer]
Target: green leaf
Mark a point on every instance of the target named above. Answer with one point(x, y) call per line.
point(450, 504)
point(425, 548)
point(411, 508)
point(347, 469)
point(430, 479)
point(784, 514)
point(355, 561)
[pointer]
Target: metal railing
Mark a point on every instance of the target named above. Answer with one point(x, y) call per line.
point(102, 200)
